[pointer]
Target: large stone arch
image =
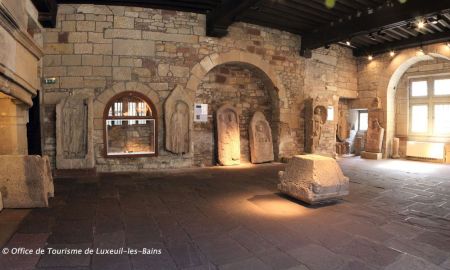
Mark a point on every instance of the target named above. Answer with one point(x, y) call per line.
point(394, 72)
point(200, 70)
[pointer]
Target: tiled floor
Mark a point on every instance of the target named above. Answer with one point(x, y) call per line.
point(396, 217)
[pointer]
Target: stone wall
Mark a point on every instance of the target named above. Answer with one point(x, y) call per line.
point(104, 50)
point(432, 67)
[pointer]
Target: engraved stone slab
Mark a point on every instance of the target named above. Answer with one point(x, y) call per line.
point(261, 144)
point(178, 118)
point(374, 137)
point(228, 136)
point(74, 133)
point(313, 178)
point(25, 181)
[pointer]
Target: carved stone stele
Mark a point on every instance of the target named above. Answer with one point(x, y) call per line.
point(178, 117)
point(74, 133)
point(342, 129)
point(395, 148)
point(313, 178)
point(374, 137)
point(261, 144)
point(228, 136)
point(315, 118)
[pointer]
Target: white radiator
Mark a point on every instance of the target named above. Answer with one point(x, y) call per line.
point(430, 150)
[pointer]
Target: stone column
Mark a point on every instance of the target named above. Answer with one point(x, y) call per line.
point(13, 126)
point(395, 148)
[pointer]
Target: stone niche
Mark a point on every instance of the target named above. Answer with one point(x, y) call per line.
point(74, 138)
point(228, 136)
point(25, 181)
point(178, 118)
point(315, 118)
point(261, 143)
point(313, 178)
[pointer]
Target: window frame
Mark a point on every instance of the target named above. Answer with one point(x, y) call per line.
point(430, 100)
point(359, 120)
point(153, 117)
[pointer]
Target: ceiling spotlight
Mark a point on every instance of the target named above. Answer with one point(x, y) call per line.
point(348, 43)
point(370, 57)
point(435, 19)
point(372, 37)
point(392, 53)
point(420, 24)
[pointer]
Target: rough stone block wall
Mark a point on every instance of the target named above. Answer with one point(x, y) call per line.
point(103, 50)
point(245, 88)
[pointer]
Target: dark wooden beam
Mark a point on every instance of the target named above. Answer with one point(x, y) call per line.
point(182, 5)
point(403, 44)
point(382, 18)
point(218, 20)
point(47, 12)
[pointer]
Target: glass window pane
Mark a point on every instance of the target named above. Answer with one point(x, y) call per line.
point(126, 139)
point(363, 120)
point(419, 118)
point(442, 87)
point(441, 122)
point(419, 89)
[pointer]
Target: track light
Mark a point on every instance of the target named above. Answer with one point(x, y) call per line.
point(421, 24)
point(372, 37)
point(391, 53)
point(370, 57)
point(348, 43)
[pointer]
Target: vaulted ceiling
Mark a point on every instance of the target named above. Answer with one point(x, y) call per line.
point(367, 26)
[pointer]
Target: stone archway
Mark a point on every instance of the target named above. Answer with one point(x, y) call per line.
point(395, 71)
point(208, 63)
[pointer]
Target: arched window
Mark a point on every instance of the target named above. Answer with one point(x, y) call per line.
point(131, 128)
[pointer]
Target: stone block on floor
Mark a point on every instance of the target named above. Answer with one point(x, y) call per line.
point(370, 155)
point(313, 178)
point(25, 181)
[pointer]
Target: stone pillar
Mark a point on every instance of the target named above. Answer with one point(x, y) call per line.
point(13, 126)
point(447, 153)
point(395, 148)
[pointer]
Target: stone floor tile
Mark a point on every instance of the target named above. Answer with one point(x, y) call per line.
point(316, 257)
point(65, 261)
point(408, 262)
point(248, 264)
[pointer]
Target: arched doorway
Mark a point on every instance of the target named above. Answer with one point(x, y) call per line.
point(397, 74)
point(251, 64)
point(248, 89)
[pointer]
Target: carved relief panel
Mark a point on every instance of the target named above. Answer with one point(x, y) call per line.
point(228, 136)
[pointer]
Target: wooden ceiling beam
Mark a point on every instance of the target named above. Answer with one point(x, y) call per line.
point(218, 20)
point(382, 18)
point(47, 12)
point(403, 44)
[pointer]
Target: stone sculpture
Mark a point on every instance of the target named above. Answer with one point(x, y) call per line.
point(228, 136)
point(74, 138)
point(261, 144)
point(33, 182)
point(395, 148)
point(317, 123)
point(342, 130)
point(313, 178)
point(315, 118)
point(178, 110)
point(374, 141)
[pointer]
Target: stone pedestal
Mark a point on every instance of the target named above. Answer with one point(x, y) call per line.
point(25, 181)
point(395, 148)
point(370, 155)
point(313, 178)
